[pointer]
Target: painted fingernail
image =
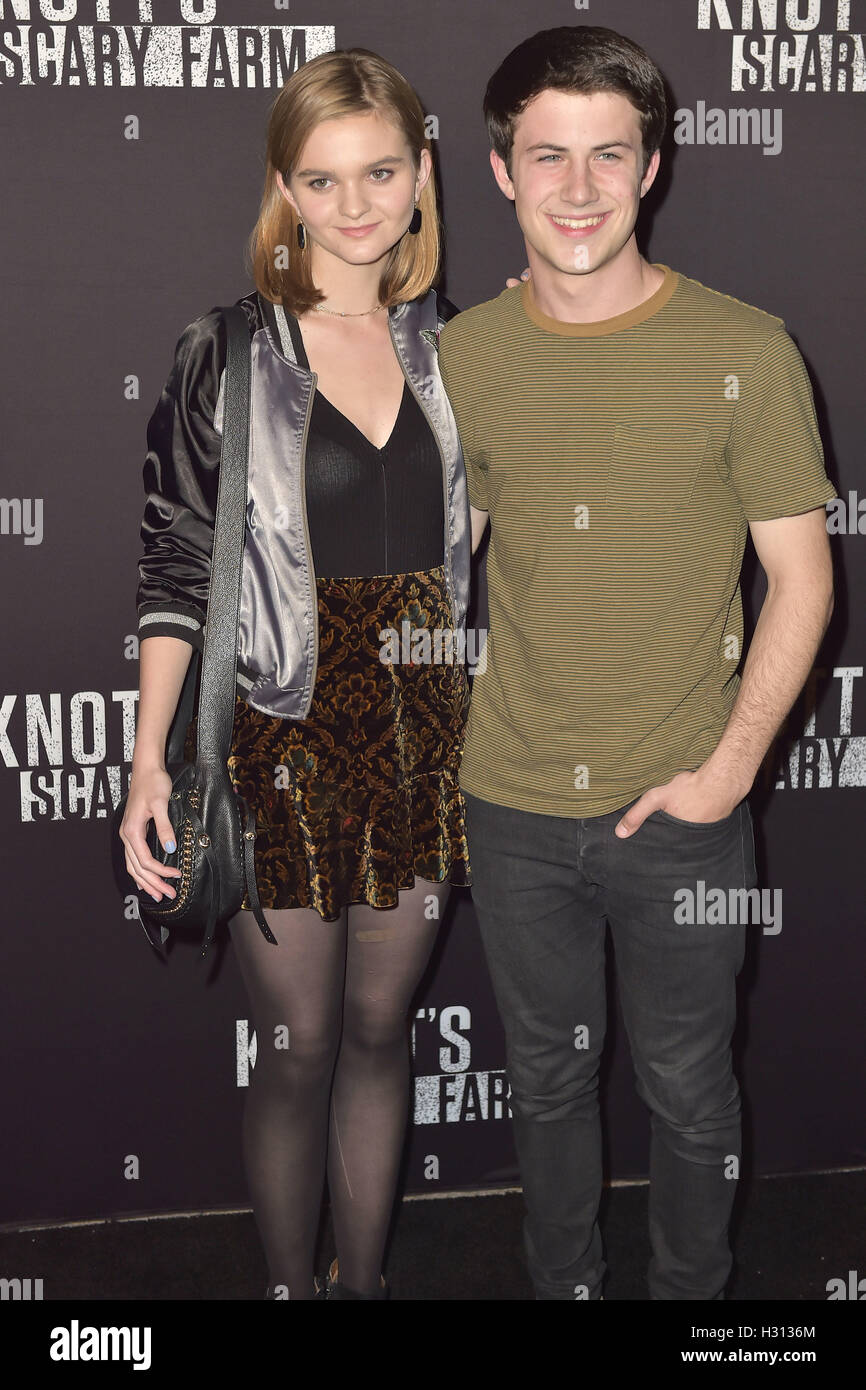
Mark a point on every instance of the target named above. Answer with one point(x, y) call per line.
point(170, 846)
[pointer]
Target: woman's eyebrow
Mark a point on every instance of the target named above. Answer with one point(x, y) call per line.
point(376, 164)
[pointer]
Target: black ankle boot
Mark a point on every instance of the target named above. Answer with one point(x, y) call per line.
point(334, 1289)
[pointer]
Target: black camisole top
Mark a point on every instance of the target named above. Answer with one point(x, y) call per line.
point(371, 511)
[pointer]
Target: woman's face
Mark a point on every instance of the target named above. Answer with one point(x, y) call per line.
point(355, 187)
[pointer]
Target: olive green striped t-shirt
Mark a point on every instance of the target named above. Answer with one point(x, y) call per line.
point(620, 462)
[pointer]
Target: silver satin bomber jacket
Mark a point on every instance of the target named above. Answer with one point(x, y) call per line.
point(278, 624)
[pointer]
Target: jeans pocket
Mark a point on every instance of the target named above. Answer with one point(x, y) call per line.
point(696, 824)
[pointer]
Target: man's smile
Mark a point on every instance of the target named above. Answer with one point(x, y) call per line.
point(569, 225)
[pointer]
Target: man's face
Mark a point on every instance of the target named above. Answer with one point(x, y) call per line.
point(576, 178)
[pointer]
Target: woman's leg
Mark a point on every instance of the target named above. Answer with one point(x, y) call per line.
point(387, 952)
point(295, 991)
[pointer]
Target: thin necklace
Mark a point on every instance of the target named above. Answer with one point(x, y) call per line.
point(320, 309)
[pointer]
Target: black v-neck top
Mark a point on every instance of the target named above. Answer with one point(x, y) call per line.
point(371, 511)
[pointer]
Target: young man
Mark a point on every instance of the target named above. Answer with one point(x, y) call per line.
point(623, 428)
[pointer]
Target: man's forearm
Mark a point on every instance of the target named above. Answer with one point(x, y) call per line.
point(787, 636)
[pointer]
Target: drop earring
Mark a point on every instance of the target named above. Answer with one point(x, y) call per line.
point(302, 236)
point(415, 224)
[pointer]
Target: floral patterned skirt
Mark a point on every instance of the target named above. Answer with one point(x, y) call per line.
point(355, 800)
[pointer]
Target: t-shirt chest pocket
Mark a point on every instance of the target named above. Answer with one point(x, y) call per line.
point(652, 472)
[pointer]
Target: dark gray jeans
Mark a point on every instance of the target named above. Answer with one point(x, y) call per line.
point(544, 888)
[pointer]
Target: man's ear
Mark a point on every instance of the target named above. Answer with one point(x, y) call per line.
point(652, 169)
point(501, 175)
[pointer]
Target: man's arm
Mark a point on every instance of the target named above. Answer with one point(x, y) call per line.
point(479, 523)
point(795, 555)
point(454, 379)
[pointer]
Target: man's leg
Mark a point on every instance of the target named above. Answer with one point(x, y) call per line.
point(676, 968)
point(543, 935)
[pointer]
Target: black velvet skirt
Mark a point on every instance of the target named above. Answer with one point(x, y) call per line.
point(355, 800)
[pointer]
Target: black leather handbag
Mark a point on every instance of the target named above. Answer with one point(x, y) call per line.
point(214, 827)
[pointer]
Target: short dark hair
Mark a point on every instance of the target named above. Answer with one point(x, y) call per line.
point(581, 58)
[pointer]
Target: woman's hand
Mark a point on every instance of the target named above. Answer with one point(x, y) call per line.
point(525, 275)
point(149, 790)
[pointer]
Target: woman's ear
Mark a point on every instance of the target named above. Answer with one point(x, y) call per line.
point(281, 185)
point(425, 168)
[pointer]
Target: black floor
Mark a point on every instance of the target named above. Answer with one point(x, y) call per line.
point(791, 1235)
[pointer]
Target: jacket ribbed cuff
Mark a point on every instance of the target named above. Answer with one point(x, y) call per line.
point(171, 620)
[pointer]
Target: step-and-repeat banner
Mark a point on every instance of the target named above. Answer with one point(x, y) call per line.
point(132, 161)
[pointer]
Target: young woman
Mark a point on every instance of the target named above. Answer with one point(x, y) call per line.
point(357, 526)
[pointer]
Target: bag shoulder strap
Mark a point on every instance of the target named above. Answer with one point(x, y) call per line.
point(218, 684)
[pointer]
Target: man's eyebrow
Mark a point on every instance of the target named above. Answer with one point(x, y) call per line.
point(376, 164)
point(563, 149)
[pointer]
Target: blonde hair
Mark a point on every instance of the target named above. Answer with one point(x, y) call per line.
point(342, 83)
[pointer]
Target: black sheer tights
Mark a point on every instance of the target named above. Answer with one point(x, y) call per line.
point(330, 1086)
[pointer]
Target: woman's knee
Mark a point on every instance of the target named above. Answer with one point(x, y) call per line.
point(293, 1056)
point(374, 1025)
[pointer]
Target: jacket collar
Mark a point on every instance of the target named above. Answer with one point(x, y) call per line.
point(411, 317)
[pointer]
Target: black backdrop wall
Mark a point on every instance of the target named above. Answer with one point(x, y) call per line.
point(132, 164)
